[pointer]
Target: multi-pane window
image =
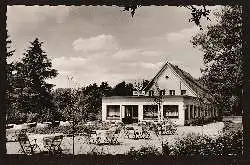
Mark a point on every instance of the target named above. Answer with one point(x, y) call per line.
point(150, 111)
point(186, 113)
point(200, 111)
point(113, 111)
point(170, 111)
point(172, 92)
point(151, 93)
point(131, 111)
point(191, 112)
point(195, 111)
point(162, 92)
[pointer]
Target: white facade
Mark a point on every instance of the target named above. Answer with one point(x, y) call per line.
point(179, 101)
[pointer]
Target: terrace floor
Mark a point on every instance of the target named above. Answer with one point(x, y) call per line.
point(81, 147)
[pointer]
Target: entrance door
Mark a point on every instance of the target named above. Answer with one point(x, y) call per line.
point(131, 111)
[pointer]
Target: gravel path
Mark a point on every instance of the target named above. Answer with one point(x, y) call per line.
point(81, 147)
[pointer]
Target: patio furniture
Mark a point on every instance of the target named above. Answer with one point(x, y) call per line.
point(136, 132)
point(27, 147)
point(115, 136)
point(129, 131)
point(10, 126)
point(53, 144)
point(145, 132)
point(91, 137)
point(100, 137)
point(168, 129)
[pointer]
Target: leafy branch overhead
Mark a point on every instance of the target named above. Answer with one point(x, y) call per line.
point(197, 12)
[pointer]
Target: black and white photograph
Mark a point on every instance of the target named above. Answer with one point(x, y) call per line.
point(124, 85)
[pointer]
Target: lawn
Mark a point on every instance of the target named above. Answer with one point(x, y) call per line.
point(81, 147)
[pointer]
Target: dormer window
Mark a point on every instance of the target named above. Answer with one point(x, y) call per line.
point(172, 92)
point(151, 93)
point(183, 92)
point(162, 92)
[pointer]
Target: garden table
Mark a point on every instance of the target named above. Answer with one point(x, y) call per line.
point(104, 136)
point(136, 131)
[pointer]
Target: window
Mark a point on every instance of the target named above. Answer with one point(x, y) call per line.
point(162, 92)
point(131, 111)
point(150, 111)
point(172, 92)
point(113, 111)
point(191, 112)
point(183, 92)
point(195, 111)
point(186, 113)
point(200, 111)
point(151, 93)
point(170, 111)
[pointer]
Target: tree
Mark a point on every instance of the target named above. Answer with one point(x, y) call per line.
point(61, 99)
point(222, 47)
point(197, 12)
point(91, 99)
point(123, 89)
point(105, 89)
point(32, 72)
point(11, 114)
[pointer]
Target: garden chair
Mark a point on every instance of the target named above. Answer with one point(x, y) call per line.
point(169, 129)
point(145, 132)
point(92, 137)
point(115, 135)
point(53, 144)
point(27, 147)
point(129, 131)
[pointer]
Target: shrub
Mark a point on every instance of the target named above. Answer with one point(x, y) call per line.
point(226, 145)
point(199, 121)
point(51, 130)
point(32, 117)
point(166, 149)
point(142, 153)
point(229, 127)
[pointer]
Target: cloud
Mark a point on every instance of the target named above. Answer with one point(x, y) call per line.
point(67, 64)
point(183, 35)
point(32, 15)
point(148, 65)
point(125, 54)
point(101, 42)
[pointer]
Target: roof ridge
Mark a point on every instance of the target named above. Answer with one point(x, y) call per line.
point(184, 74)
point(190, 77)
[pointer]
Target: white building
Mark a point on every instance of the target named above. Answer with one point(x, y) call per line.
point(172, 93)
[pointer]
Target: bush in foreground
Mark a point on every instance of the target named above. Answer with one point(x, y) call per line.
point(227, 145)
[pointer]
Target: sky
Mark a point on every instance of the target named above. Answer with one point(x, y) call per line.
point(103, 43)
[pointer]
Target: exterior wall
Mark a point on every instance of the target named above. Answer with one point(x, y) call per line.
point(140, 101)
point(173, 82)
point(211, 111)
point(176, 101)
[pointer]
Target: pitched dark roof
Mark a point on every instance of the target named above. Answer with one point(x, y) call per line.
point(193, 83)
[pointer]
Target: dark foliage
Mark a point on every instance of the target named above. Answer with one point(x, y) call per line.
point(123, 89)
point(142, 153)
point(197, 12)
point(30, 91)
point(228, 145)
point(222, 47)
